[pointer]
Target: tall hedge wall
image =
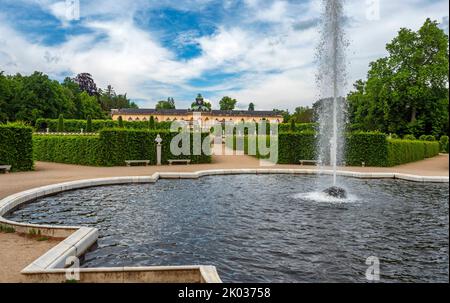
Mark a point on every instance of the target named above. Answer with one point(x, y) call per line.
point(16, 146)
point(370, 148)
point(83, 150)
point(111, 148)
point(374, 149)
point(73, 125)
point(405, 151)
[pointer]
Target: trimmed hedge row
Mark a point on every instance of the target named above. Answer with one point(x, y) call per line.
point(405, 151)
point(16, 146)
point(370, 148)
point(74, 125)
point(374, 149)
point(83, 150)
point(111, 148)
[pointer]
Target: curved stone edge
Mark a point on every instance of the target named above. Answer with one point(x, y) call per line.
point(79, 239)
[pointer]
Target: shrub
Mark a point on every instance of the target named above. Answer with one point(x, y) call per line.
point(89, 124)
point(120, 122)
point(151, 123)
point(443, 142)
point(293, 128)
point(16, 146)
point(409, 137)
point(394, 136)
point(60, 128)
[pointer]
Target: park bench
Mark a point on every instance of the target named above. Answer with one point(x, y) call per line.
point(311, 162)
point(129, 162)
point(179, 161)
point(5, 168)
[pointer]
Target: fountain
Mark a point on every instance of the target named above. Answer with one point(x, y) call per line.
point(331, 81)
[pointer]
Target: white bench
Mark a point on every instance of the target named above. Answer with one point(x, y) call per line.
point(5, 168)
point(129, 162)
point(312, 162)
point(179, 161)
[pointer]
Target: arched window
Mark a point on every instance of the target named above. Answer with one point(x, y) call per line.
point(137, 119)
point(156, 119)
point(145, 119)
point(168, 119)
point(130, 119)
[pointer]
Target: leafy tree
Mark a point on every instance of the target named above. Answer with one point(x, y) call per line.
point(251, 107)
point(60, 128)
point(227, 103)
point(90, 107)
point(303, 115)
point(86, 83)
point(120, 121)
point(169, 104)
point(407, 91)
point(89, 124)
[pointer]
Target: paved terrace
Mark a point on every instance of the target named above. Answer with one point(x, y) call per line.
point(18, 251)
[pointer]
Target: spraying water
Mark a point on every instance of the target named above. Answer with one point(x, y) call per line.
point(331, 79)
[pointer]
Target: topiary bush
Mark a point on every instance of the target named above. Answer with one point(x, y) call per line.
point(16, 146)
point(89, 124)
point(443, 142)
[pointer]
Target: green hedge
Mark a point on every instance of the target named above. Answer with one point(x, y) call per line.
point(405, 151)
point(373, 148)
point(370, 148)
point(16, 146)
point(111, 148)
point(83, 150)
point(75, 126)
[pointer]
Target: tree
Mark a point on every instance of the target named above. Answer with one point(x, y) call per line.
point(303, 115)
point(86, 83)
point(60, 128)
point(120, 122)
point(89, 124)
point(227, 103)
point(169, 104)
point(151, 123)
point(407, 91)
point(251, 107)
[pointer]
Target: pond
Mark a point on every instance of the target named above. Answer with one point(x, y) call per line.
point(262, 228)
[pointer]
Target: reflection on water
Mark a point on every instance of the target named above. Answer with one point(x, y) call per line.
point(259, 229)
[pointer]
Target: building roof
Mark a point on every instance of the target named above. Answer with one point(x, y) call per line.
point(175, 112)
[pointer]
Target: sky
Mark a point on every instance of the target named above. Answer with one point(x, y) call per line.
point(260, 51)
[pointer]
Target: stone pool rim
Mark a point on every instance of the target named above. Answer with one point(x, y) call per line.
point(50, 267)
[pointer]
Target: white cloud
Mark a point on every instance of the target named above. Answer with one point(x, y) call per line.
point(276, 62)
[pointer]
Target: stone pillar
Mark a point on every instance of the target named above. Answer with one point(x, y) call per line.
point(158, 141)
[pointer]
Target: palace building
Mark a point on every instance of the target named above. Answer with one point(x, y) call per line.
point(199, 113)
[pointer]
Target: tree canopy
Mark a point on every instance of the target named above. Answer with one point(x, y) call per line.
point(407, 91)
point(27, 98)
point(169, 104)
point(227, 103)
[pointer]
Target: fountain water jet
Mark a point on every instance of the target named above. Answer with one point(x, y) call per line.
point(331, 81)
